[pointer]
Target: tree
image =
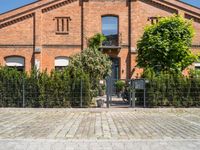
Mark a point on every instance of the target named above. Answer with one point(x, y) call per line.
point(96, 40)
point(92, 61)
point(165, 46)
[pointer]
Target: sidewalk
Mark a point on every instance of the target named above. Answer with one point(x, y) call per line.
point(125, 128)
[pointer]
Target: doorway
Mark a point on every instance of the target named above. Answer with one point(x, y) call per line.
point(115, 99)
point(115, 75)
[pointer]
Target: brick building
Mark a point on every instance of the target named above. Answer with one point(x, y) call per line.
point(47, 32)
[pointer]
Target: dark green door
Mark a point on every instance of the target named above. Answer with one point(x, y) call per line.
point(115, 72)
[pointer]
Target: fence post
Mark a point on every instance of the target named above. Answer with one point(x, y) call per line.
point(133, 101)
point(23, 93)
point(81, 94)
point(144, 93)
point(108, 91)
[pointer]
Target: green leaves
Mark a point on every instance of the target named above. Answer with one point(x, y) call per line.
point(96, 40)
point(166, 45)
point(40, 89)
point(170, 89)
point(93, 62)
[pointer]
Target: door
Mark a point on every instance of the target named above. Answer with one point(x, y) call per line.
point(115, 72)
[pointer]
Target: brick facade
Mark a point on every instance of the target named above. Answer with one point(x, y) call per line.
point(33, 27)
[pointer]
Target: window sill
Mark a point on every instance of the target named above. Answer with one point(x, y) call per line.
point(110, 47)
point(62, 33)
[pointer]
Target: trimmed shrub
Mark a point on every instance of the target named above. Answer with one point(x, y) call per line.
point(40, 89)
point(168, 89)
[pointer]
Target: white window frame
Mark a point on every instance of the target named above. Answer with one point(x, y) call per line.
point(61, 62)
point(197, 65)
point(17, 62)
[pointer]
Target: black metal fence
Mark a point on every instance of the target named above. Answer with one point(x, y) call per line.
point(164, 93)
point(27, 93)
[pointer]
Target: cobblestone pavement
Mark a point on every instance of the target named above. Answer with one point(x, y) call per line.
point(59, 129)
point(99, 145)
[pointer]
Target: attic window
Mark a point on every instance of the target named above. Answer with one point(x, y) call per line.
point(153, 20)
point(62, 25)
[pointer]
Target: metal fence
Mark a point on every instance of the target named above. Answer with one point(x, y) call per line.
point(29, 94)
point(166, 93)
point(149, 93)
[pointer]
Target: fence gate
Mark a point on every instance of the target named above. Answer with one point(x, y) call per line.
point(138, 91)
point(134, 93)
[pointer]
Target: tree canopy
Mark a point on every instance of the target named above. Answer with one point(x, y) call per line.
point(92, 61)
point(165, 46)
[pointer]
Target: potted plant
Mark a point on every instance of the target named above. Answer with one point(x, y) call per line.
point(119, 87)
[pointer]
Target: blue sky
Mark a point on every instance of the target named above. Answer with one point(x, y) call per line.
point(193, 2)
point(6, 5)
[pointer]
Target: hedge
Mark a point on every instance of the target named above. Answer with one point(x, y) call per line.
point(40, 89)
point(173, 90)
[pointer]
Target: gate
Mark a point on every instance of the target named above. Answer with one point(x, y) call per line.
point(138, 92)
point(134, 93)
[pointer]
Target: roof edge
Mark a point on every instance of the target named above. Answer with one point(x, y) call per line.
point(185, 7)
point(8, 15)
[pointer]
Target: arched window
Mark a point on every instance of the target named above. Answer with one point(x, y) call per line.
point(197, 66)
point(110, 30)
point(61, 62)
point(15, 62)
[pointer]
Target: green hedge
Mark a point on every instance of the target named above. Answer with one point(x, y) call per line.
point(40, 89)
point(170, 89)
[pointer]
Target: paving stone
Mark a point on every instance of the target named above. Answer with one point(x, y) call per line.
point(62, 129)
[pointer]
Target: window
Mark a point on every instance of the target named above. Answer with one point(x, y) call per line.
point(197, 65)
point(110, 30)
point(15, 62)
point(62, 25)
point(154, 20)
point(61, 62)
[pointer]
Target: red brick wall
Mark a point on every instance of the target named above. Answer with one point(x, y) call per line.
point(196, 39)
point(48, 56)
point(141, 10)
point(17, 40)
point(26, 52)
point(18, 33)
point(49, 25)
point(66, 41)
point(53, 45)
point(93, 11)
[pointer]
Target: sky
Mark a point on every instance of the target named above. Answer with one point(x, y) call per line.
point(6, 5)
point(193, 2)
